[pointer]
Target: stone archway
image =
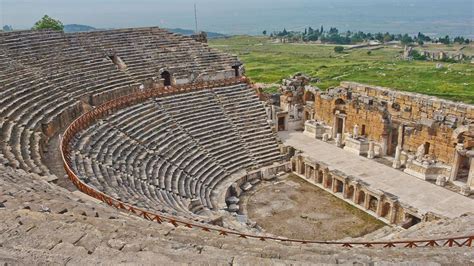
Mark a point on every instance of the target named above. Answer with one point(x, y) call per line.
point(339, 117)
point(463, 164)
point(308, 96)
point(166, 76)
point(340, 103)
point(373, 203)
point(236, 69)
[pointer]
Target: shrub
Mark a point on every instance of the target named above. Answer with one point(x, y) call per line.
point(338, 49)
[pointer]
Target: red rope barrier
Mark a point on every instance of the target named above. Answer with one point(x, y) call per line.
point(103, 110)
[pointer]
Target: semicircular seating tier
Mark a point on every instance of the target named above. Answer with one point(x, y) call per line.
point(172, 153)
point(48, 78)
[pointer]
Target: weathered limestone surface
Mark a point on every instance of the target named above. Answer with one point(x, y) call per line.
point(48, 78)
point(437, 133)
point(78, 231)
point(423, 196)
point(169, 154)
point(176, 154)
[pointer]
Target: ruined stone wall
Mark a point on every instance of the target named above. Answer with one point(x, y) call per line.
point(424, 119)
point(415, 106)
point(439, 139)
point(356, 114)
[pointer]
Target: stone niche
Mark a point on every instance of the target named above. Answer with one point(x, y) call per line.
point(316, 129)
point(359, 145)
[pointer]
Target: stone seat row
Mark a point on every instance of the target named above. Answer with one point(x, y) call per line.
point(30, 98)
point(182, 144)
point(130, 159)
point(186, 149)
point(130, 190)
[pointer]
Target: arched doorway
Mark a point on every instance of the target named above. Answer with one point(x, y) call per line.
point(166, 76)
point(340, 103)
point(236, 70)
point(309, 96)
point(373, 203)
point(339, 117)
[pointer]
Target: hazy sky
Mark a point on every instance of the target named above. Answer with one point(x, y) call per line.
point(250, 16)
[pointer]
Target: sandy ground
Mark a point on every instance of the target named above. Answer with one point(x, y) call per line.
point(293, 208)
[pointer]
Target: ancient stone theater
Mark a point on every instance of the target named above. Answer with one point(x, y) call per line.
point(141, 145)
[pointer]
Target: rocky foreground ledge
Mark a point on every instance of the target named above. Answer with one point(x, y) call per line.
point(44, 223)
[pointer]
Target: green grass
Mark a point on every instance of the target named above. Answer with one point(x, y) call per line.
point(269, 62)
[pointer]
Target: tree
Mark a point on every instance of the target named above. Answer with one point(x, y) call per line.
point(379, 36)
point(264, 32)
point(338, 49)
point(459, 40)
point(48, 23)
point(420, 42)
point(406, 39)
point(7, 28)
point(387, 37)
point(444, 40)
point(333, 31)
point(321, 30)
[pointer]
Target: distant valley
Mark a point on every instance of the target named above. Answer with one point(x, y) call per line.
point(83, 28)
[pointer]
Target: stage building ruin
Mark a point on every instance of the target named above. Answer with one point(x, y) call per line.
point(427, 137)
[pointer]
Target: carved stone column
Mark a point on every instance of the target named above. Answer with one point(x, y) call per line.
point(355, 198)
point(338, 140)
point(325, 176)
point(334, 185)
point(371, 152)
point(397, 163)
point(367, 201)
point(345, 187)
point(380, 205)
point(394, 212)
point(457, 162)
point(400, 136)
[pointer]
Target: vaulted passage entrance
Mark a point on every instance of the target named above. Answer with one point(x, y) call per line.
point(166, 76)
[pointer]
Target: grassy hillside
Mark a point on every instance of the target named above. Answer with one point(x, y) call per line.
point(269, 62)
